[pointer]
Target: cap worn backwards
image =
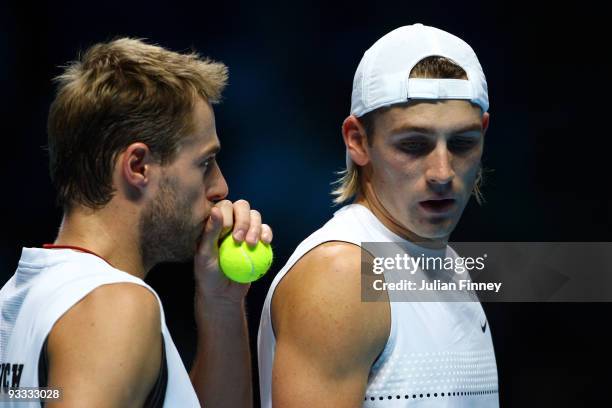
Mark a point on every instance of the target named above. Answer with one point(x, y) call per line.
point(382, 77)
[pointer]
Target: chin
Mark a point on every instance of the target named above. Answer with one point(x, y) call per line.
point(434, 231)
point(433, 234)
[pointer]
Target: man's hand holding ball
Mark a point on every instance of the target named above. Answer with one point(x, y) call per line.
point(245, 250)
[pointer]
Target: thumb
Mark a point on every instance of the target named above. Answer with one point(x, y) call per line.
point(212, 229)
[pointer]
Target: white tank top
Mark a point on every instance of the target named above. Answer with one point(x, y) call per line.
point(47, 283)
point(437, 354)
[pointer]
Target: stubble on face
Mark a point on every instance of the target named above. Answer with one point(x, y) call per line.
point(168, 232)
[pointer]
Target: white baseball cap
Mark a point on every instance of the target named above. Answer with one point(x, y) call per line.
point(382, 77)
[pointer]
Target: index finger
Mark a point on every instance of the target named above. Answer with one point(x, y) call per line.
point(227, 210)
point(242, 219)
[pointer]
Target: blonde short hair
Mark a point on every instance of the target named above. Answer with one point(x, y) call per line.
point(115, 94)
point(348, 185)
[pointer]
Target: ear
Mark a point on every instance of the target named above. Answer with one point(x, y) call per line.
point(136, 164)
point(485, 122)
point(356, 142)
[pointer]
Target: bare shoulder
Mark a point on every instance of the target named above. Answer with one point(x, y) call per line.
point(331, 261)
point(318, 304)
point(111, 341)
point(120, 305)
point(331, 268)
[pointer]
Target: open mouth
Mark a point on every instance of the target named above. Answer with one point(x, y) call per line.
point(438, 206)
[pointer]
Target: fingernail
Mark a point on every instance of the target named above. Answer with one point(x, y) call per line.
point(239, 235)
point(251, 239)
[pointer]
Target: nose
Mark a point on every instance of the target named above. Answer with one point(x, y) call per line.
point(439, 172)
point(218, 189)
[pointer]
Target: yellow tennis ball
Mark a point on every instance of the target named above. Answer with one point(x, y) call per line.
point(243, 263)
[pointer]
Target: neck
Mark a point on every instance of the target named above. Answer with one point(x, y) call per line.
point(107, 233)
point(370, 200)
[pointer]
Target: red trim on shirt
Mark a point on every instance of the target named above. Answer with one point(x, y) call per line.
point(76, 248)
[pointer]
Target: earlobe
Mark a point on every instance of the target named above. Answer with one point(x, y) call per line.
point(355, 141)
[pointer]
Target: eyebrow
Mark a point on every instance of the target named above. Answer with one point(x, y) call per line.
point(429, 130)
point(208, 153)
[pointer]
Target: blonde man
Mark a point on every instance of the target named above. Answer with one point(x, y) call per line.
point(414, 141)
point(132, 145)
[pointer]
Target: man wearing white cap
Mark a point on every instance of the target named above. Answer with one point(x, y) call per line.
point(414, 143)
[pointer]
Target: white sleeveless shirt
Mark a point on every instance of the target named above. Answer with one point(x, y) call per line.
point(47, 283)
point(437, 354)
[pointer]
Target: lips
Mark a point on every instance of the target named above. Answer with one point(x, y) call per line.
point(438, 206)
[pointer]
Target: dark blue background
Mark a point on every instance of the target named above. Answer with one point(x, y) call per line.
point(291, 69)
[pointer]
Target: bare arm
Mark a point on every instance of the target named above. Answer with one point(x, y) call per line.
point(106, 350)
point(221, 372)
point(327, 338)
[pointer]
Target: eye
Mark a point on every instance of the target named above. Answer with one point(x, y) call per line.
point(462, 144)
point(205, 165)
point(415, 145)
